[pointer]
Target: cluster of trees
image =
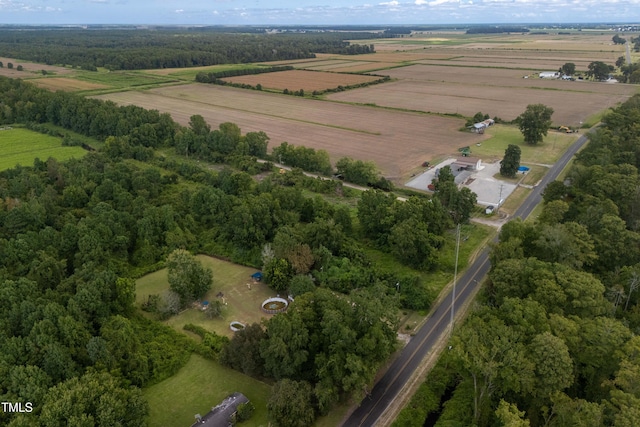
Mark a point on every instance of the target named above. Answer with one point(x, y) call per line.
point(556, 342)
point(169, 48)
point(324, 348)
point(598, 70)
point(308, 159)
point(413, 230)
point(214, 76)
point(619, 40)
point(630, 72)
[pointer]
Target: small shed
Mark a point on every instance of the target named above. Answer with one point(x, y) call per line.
point(257, 276)
point(220, 415)
point(549, 75)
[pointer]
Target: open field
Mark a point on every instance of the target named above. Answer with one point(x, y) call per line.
point(67, 84)
point(21, 146)
point(30, 69)
point(301, 79)
point(445, 74)
point(198, 386)
point(499, 137)
point(504, 101)
point(243, 304)
point(397, 141)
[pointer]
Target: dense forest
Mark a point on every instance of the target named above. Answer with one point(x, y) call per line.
point(134, 49)
point(554, 340)
point(74, 235)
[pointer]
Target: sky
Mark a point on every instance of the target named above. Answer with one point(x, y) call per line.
point(320, 12)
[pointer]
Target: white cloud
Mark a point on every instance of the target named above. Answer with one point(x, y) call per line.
point(390, 3)
point(439, 2)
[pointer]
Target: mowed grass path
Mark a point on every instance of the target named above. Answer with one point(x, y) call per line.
point(243, 304)
point(21, 146)
point(198, 386)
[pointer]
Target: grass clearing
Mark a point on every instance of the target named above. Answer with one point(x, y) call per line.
point(189, 74)
point(500, 136)
point(514, 201)
point(21, 146)
point(243, 304)
point(124, 80)
point(198, 386)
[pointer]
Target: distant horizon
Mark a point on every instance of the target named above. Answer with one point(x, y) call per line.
point(315, 12)
point(592, 25)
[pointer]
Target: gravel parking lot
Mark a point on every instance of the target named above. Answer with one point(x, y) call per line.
point(481, 182)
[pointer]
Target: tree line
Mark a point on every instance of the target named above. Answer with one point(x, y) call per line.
point(212, 77)
point(133, 49)
point(555, 340)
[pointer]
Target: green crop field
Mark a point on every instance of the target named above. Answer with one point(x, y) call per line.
point(123, 80)
point(21, 146)
point(198, 386)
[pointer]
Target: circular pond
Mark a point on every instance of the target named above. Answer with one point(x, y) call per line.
point(275, 305)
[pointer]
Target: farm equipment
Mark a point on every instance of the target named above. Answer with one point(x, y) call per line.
point(465, 151)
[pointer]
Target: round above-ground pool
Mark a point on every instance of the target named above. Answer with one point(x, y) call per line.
point(275, 305)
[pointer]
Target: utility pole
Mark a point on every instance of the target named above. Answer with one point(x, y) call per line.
point(455, 278)
point(499, 199)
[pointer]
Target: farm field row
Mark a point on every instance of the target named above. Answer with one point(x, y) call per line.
point(571, 108)
point(67, 84)
point(396, 141)
point(301, 79)
point(500, 78)
point(21, 146)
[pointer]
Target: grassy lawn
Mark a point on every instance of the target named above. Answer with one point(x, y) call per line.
point(198, 386)
point(548, 152)
point(21, 146)
point(514, 201)
point(190, 73)
point(243, 304)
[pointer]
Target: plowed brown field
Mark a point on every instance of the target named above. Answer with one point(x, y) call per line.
point(301, 79)
point(67, 84)
point(497, 92)
point(30, 69)
point(396, 141)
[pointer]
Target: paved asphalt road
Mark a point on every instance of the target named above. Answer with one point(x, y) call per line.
point(402, 368)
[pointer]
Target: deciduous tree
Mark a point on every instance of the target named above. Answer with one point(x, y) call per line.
point(511, 161)
point(534, 123)
point(187, 277)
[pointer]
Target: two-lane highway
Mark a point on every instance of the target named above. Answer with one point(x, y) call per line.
point(403, 367)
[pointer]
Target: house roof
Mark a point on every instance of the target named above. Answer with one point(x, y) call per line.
point(467, 161)
point(220, 415)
